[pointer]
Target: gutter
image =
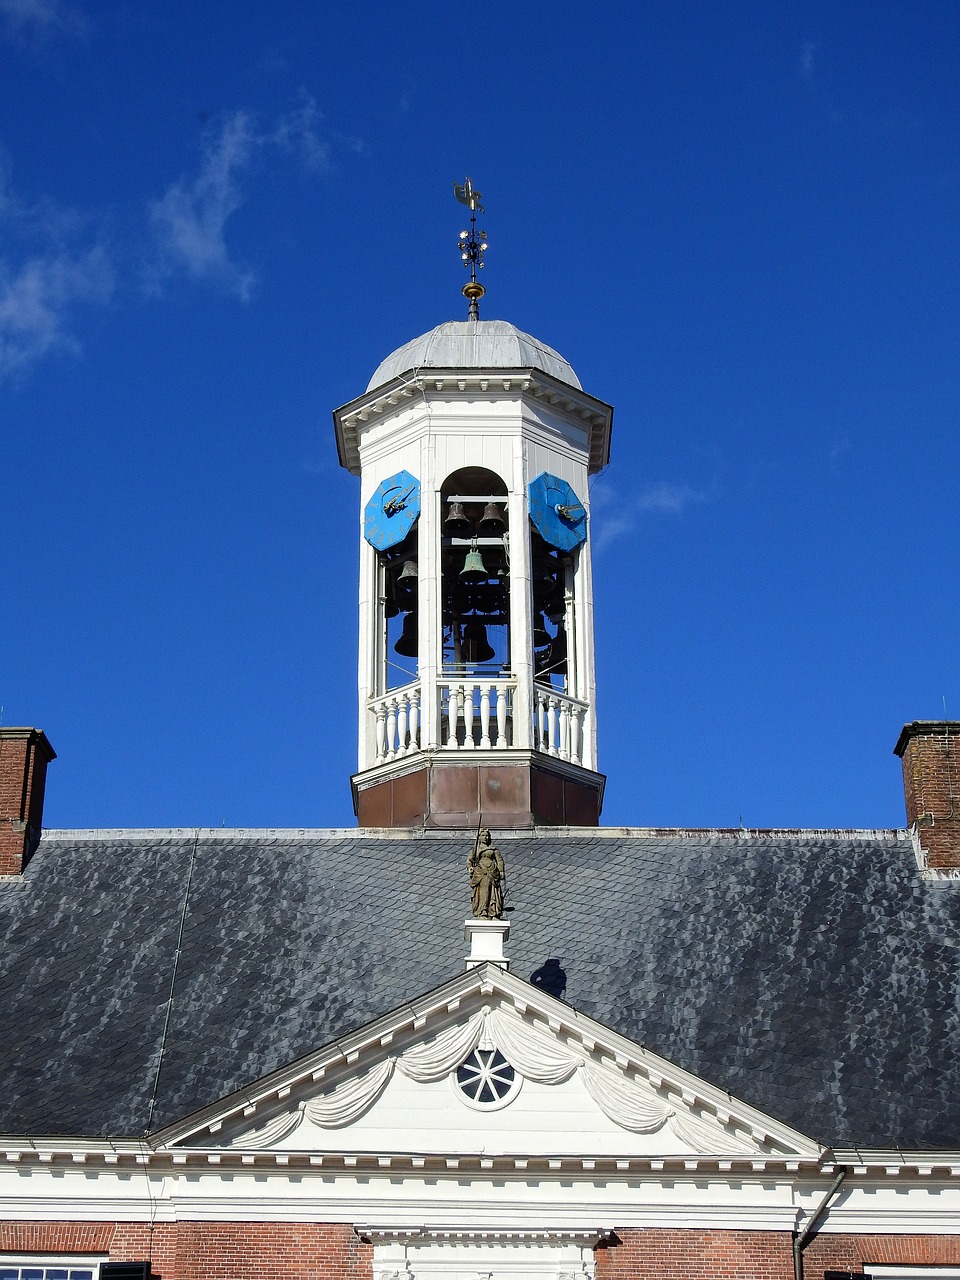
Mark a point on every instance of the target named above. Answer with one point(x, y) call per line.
point(801, 1239)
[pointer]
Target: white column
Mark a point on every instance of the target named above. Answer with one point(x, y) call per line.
point(521, 602)
point(369, 658)
point(429, 595)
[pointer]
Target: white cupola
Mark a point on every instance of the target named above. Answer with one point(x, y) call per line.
point(474, 444)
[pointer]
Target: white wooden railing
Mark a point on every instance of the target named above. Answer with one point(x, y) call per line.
point(476, 713)
point(397, 716)
point(558, 724)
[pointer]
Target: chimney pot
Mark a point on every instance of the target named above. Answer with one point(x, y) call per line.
point(24, 756)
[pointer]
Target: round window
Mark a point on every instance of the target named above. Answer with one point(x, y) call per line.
point(486, 1079)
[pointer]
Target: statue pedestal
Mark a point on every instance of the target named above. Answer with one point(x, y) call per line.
point(486, 939)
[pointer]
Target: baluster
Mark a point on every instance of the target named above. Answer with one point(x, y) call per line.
point(565, 730)
point(414, 720)
point(502, 716)
point(585, 749)
point(402, 724)
point(552, 726)
point(454, 715)
point(391, 728)
point(485, 717)
point(541, 721)
point(576, 715)
point(468, 709)
point(381, 730)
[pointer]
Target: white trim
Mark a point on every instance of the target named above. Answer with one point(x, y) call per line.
point(84, 834)
point(910, 1273)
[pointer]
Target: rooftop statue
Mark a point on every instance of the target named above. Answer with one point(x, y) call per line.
point(488, 879)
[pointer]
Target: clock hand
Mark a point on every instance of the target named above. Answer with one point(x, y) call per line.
point(569, 513)
point(397, 504)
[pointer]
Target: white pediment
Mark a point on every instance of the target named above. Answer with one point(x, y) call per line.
point(488, 1066)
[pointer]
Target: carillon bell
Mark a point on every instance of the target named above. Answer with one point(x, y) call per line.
point(407, 580)
point(474, 570)
point(475, 647)
point(406, 646)
point(456, 524)
point(491, 522)
point(557, 653)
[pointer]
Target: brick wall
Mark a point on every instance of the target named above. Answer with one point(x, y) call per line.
point(206, 1250)
point(24, 756)
point(697, 1255)
point(664, 1254)
point(930, 751)
point(828, 1252)
point(319, 1251)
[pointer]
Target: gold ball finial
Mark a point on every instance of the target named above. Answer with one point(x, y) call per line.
point(473, 291)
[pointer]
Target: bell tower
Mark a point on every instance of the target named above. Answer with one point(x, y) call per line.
point(473, 444)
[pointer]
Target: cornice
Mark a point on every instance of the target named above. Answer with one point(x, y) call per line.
point(350, 418)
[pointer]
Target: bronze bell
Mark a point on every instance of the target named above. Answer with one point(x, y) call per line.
point(475, 647)
point(557, 654)
point(541, 636)
point(492, 522)
point(456, 524)
point(474, 570)
point(406, 581)
point(406, 646)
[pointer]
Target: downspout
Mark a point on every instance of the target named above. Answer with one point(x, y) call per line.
point(800, 1240)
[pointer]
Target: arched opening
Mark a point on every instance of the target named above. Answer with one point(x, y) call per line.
point(475, 574)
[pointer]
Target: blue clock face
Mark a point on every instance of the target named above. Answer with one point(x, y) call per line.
point(392, 511)
point(557, 513)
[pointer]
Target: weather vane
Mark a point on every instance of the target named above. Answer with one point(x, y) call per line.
point(472, 245)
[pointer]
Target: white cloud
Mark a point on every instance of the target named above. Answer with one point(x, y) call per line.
point(189, 220)
point(667, 497)
point(53, 260)
point(615, 518)
point(38, 299)
point(22, 20)
point(299, 131)
point(52, 265)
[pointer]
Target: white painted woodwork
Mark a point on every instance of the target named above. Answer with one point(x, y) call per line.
point(442, 1189)
point(560, 724)
point(516, 427)
point(487, 939)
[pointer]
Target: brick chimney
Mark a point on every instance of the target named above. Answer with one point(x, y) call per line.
point(24, 756)
point(930, 751)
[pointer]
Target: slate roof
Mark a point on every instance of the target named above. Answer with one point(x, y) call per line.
point(814, 975)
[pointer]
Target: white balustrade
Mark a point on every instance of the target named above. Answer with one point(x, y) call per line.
point(397, 722)
point(558, 724)
point(476, 713)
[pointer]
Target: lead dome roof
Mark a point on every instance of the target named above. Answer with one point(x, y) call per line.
point(474, 344)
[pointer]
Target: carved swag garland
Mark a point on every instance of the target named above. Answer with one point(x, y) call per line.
point(533, 1055)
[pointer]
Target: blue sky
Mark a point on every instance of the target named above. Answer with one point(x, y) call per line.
point(738, 221)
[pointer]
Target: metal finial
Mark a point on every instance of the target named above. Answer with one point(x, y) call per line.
point(472, 245)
